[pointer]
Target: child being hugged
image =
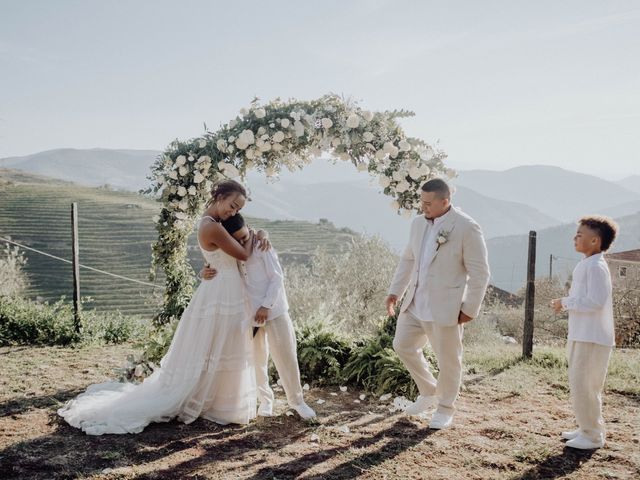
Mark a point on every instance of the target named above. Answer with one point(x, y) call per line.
point(591, 330)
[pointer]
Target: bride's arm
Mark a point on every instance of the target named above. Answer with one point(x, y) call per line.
point(214, 235)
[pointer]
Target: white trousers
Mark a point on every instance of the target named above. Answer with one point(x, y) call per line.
point(278, 337)
point(588, 363)
point(411, 337)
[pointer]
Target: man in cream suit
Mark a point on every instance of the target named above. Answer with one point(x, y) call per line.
point(443, 275)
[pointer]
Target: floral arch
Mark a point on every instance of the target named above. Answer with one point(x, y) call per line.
point(267, 138)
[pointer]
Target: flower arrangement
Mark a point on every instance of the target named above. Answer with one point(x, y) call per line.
point(268, 138)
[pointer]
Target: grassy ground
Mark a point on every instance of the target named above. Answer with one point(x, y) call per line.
point(508, 424)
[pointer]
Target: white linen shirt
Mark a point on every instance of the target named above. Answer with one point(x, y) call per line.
point(265, 282)
point(419, 307)
point(590, 302)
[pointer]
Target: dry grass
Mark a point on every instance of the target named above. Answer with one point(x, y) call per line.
point(508, 424)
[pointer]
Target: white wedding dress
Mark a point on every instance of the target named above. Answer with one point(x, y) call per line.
point(207, 372)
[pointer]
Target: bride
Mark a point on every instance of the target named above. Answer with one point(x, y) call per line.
point(208, 370)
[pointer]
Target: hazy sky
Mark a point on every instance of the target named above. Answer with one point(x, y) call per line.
point(500, 83)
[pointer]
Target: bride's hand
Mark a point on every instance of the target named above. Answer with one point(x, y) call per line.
point(208, 272)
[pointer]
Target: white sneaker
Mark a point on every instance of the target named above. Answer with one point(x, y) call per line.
point(440, 421)
point(583, 443)
point(265, 409)
point(421, 405)
point(570, 435)
point(304, 410)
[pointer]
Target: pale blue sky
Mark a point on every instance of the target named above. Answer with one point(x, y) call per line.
point(500, 83)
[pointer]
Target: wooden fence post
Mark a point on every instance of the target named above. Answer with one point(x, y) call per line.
point(76, 265)
point(529, 303)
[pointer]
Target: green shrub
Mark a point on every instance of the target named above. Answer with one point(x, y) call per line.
point(27, 323)
point(23, 322)
point(322, 353)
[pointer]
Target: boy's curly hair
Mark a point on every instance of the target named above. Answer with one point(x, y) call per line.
point(606, 228)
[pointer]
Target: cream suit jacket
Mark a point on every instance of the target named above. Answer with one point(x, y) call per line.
point(458, 273)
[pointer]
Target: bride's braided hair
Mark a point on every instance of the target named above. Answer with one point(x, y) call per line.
point(224, 188)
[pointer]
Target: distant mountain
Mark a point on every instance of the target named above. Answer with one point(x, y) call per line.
point(508, 255)
point(632, 183)
point(629, 208)
point(362, 208)
point(553, 191)
point(121, 169)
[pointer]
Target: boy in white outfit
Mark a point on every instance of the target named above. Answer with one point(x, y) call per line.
point(265, 287)
point(591, 330)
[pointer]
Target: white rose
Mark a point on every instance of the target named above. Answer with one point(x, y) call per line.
point(250, 153)
point(181, 160)
point(362, 167)
point(183, 171)
point(265, 147)
point(260, 112)
point(173, 189)
point(278, 136)
point(198, 178)
point(285, 123)
point(231, 139)
point(299, 128)
point(184, 204)
point(173, 174)
point(335, 141)
point(398, 176)
point(295, 116)
point(424, 169)
point(202, 143)
point(441, 240)
point(247, 137)
point(182, 191)
point(404, 145)
point(230, 171)
point(191, 158)
point(262, 131)
point(241, 144)
point(277, 147)
point(384, 181)
point(367, 115)
point(380, 154)
point(368, 136)
point(415, 173)
point(326, 123)
point(204, 159)
point(395, 205)
point(353, 121)
point(344, 156)
point(180, 215)
point(192, 190)
point(233, 123)
point(221, 145)
point(264, 137)
point(315, 151)
point(272, 125)
point(243, 111)
point(402, 187)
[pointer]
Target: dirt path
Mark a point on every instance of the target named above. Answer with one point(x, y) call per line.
point(507, 426)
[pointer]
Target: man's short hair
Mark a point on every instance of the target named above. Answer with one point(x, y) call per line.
point(439, 186)
point(605, 228)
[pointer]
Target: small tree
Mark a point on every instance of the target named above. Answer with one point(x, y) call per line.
point(626, 310)
point(14, 279)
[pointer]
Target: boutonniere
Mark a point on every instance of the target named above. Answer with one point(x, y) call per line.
point(442, 238)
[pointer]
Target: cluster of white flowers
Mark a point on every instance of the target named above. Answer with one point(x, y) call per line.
point(289, 135)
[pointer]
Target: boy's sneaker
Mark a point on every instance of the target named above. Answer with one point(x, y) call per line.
point(583, 443)
point(570, 435)
point(304, 410)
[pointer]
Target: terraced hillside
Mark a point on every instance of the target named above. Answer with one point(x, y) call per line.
point(115, 234)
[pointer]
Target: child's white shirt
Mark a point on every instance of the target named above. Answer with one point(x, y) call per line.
point(265, 282)
point(590, 302)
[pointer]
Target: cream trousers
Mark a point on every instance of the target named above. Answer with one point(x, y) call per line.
point(278, 337)
point(411, 337)
point(588, 363)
